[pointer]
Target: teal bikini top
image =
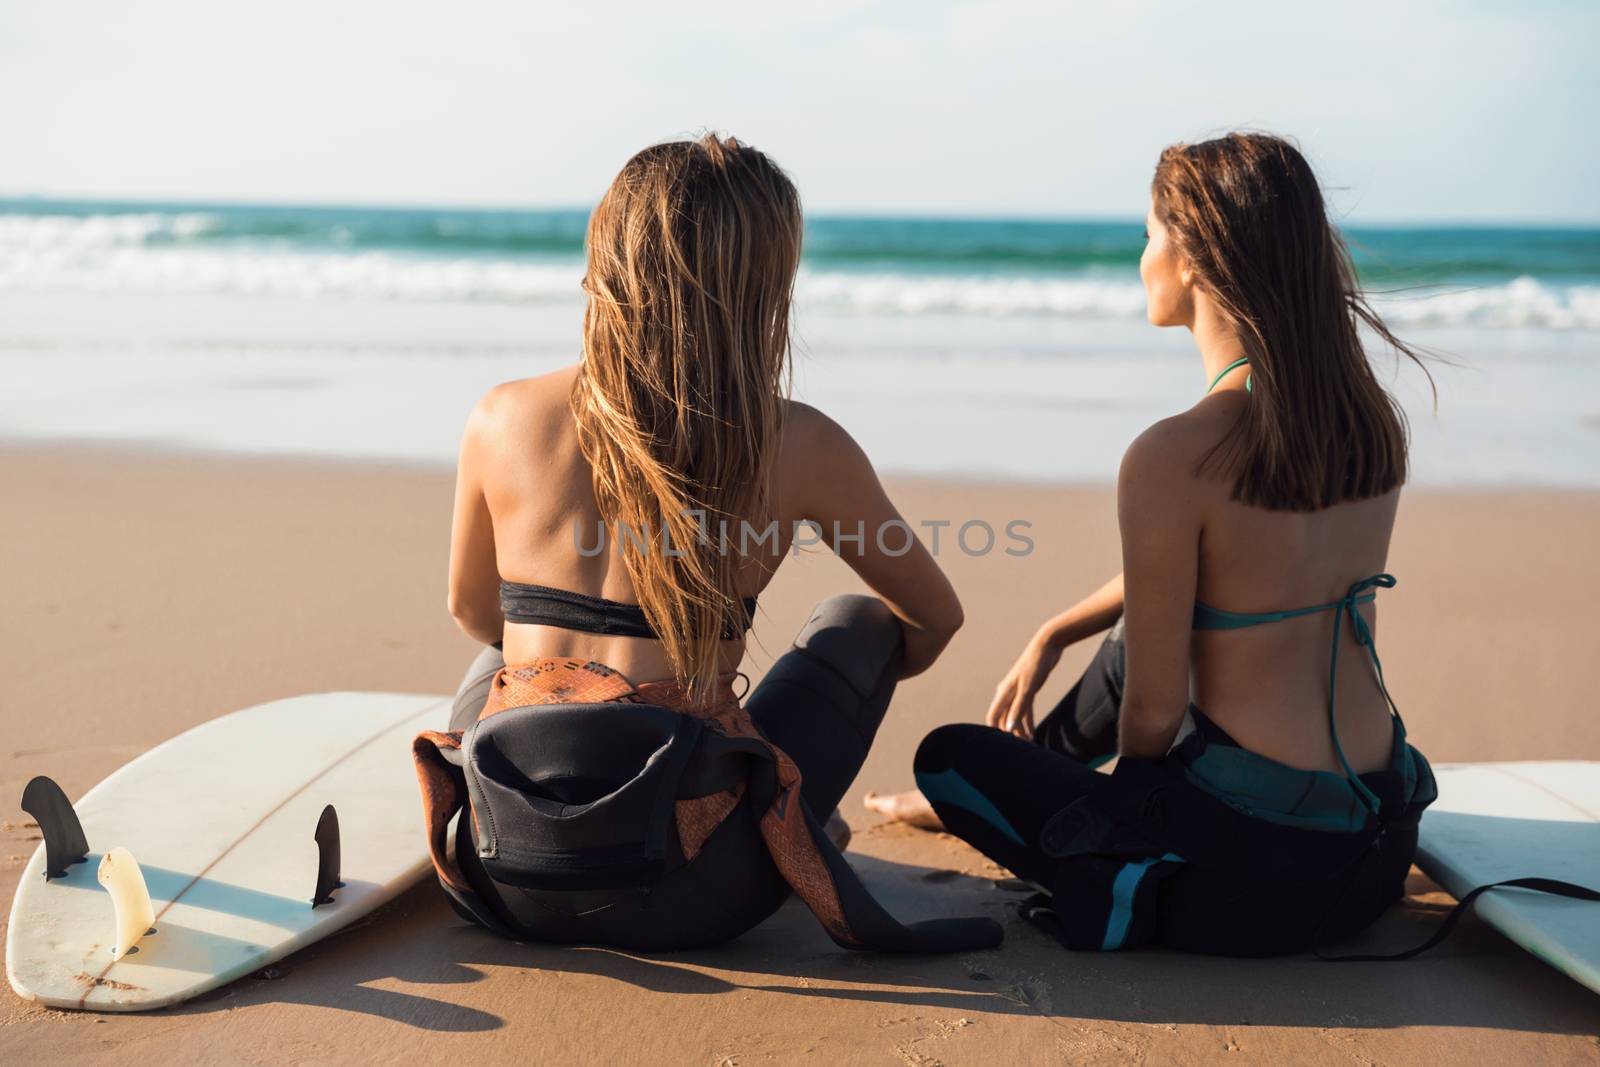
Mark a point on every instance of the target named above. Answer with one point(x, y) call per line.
point(1249, 387)
point(1207, 617)
point(1362, 592)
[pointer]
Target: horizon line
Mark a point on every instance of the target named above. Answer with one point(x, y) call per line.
point(862, 214)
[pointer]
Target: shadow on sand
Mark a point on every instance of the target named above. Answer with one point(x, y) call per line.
point(1477, 979)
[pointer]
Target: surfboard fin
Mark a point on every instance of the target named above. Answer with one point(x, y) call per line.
point(64, 843)
point(130, 899)
point(327, 838)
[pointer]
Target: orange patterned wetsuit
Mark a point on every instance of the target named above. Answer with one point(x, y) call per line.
point(824, 698)
point(575, 681)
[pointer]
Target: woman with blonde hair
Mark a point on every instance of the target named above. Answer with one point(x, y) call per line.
point(614, 524)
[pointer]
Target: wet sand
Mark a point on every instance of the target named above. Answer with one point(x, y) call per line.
point(145, 593)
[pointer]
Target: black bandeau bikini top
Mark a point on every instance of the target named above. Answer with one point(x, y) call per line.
point(543, 605)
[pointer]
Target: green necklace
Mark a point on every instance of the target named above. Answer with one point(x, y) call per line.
point(1224, 373)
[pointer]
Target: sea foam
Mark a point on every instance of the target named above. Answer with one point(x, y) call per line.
point(197, 252)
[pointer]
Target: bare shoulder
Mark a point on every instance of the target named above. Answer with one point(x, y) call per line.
point(1162, 467)
point(1167, 452)
point(814, 442)
point(810, 434)
point(524, 407)
point(819, 463)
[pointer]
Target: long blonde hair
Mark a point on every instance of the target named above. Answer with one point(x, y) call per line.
point(679, 401)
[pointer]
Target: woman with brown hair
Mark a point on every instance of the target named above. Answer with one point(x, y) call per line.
point(1284, 813)
point(614, 525)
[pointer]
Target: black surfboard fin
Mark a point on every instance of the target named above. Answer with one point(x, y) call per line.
point(64, 843)
point(327, 838)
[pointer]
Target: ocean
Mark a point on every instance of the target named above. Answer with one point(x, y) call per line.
point(1010, 348)
point(1488, 277)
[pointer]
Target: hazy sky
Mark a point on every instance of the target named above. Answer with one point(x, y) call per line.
point(1410, 111)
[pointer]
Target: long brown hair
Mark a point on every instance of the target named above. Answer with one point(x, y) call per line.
point(1247, 214)
point(692, 255)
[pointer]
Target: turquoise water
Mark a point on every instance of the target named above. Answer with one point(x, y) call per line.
point(1516, 277)
point(1015, 349)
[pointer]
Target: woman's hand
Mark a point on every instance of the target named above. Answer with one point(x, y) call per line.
point(1012, 709)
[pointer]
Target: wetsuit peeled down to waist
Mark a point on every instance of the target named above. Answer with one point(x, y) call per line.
point(590, 809)
point(1212, 849)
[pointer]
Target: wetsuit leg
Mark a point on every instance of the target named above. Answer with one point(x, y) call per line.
point(996, 791)
point(823, 700)
point(473, 692)
point(1084, 724)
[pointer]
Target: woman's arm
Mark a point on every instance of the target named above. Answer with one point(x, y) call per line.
point(836, 488)
point(1012, 707)
point(1158, 509)
point(1089, 616)
point(474, 597)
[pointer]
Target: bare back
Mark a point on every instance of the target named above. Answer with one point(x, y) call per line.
point(1267, 685)
point(525, 503)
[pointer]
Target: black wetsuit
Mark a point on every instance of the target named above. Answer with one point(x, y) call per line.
point(1212, 849)
point(821, 703)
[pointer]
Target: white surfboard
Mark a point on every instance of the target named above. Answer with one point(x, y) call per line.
point(1494, 821)
point(220, 821)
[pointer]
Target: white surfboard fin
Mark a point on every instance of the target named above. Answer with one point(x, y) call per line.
point(327, 838)
point(130, 899)
point(64, 843)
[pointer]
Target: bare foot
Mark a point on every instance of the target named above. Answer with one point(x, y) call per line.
point(912, 808)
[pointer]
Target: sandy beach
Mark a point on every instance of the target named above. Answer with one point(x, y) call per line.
point(147, 592)
point(259, 268)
